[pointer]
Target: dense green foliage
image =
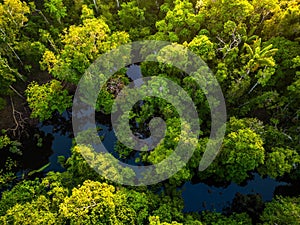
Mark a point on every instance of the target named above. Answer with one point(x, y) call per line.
point(281, 211)
point(253, 49)
point(45, 99)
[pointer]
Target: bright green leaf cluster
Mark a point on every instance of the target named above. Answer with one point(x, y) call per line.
point(46, 99)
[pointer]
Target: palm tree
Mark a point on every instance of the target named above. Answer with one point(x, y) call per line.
point(259, 57)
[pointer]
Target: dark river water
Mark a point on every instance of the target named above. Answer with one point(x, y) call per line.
point(197, 197)
point(57, 141)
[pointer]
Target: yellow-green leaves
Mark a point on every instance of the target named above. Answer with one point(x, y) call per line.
point(242, 151)
point(36, 212)
point(259, 56)
point(155, 220)
point(45, 99)
point(82, 45)
point(284, 20)
point(202, 46)
point(279, 161)
point(12, 16)
point(94, 203)
point(282, 210)
point(181, 23)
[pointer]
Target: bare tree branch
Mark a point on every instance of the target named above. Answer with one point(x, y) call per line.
point(18, 119)
point(18, 93)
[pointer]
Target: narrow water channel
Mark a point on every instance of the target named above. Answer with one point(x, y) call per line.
point(58, 136)
point(197, 197)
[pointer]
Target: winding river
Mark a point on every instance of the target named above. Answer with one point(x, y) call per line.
point(57, 141)
point(197, 196)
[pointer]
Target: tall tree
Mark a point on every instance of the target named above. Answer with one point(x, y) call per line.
point(56, 9)
point(82, 45)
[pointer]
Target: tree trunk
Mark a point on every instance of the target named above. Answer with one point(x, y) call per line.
point(96, 6)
